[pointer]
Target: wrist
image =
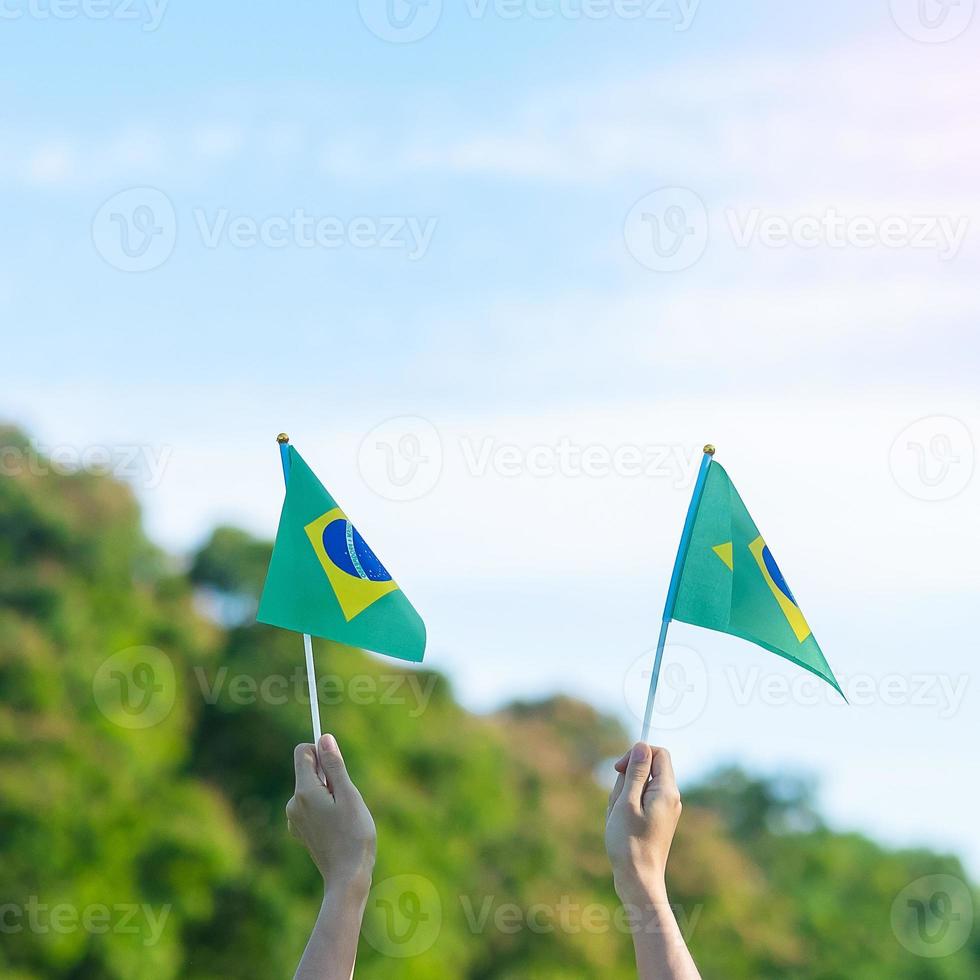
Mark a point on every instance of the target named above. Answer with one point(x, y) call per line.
point(351, 885)
point(646, 888)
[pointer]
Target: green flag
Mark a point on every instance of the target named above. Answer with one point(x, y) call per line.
point(324, 580)
point(730, 581)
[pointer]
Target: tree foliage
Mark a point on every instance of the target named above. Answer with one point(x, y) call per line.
point(496, 821)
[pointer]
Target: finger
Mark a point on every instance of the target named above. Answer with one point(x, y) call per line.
point(616, 792)
point(307, 777)
point(332, 763)
point(620, 764)
point(291, 811)
point(662, 766)
point(662, 778)
point(638, 771)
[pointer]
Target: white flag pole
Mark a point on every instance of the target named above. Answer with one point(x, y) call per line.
point(311, 682)
point(654, 678)
point(675, 579)
point(283, 441)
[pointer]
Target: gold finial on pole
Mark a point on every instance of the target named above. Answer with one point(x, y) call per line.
point(282, 438)
point(709, 449)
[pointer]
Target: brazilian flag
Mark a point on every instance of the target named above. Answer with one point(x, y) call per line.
point(324, 580)
point(730, 581)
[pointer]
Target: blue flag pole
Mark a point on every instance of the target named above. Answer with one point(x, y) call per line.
point(675, 579)
point(283, 441)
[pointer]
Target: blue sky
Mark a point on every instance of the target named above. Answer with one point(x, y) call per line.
point(487, 285)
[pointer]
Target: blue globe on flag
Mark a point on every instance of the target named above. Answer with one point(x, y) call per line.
point(350, 552)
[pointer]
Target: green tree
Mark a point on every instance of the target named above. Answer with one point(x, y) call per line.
point(146, 732)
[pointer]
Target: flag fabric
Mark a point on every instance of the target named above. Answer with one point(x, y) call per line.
point(730, 581)
point(324, 580)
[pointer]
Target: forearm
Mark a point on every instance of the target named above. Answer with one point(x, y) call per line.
point(332, 948)
point(661, 952)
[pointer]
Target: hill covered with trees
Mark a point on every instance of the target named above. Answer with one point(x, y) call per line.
point(146, 734)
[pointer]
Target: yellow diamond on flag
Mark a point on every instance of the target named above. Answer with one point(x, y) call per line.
point(779, 588)
point(724, 552)
point(357, 577)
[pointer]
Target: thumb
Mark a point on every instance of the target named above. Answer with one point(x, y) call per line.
point(332, 764)
point(638, 771)
point(304, 759)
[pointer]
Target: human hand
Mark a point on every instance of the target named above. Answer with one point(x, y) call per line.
point(332, 820)
point(644, 808)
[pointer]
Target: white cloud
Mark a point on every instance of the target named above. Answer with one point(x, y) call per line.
point(844, 116)
point(51, 162)
point(218, 142)
point(881, 116)
point(829, 331)
point(814, 471)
